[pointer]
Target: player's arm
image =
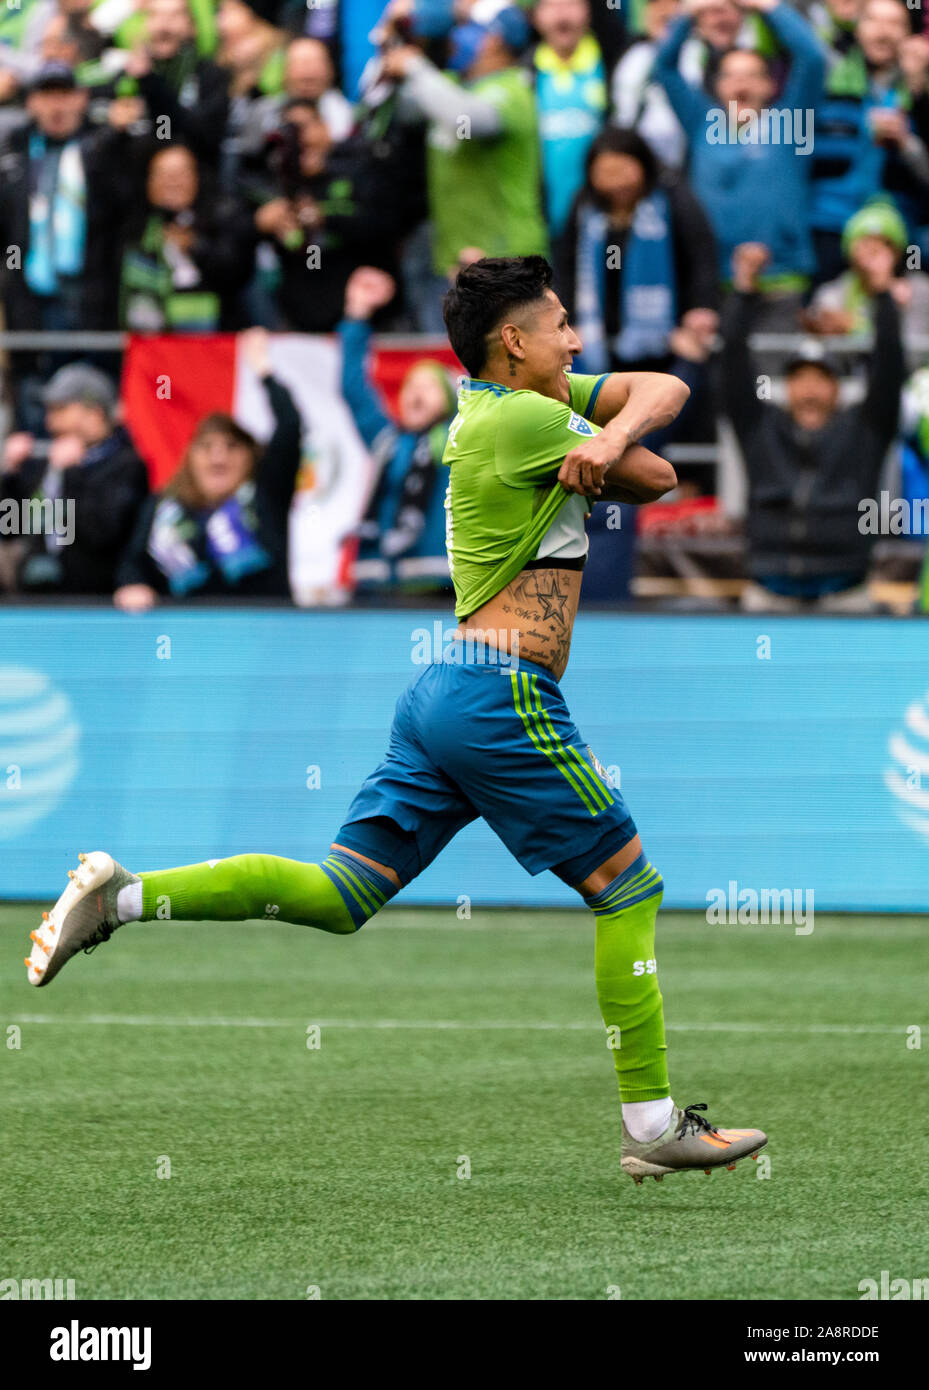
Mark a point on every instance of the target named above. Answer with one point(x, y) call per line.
point(628, 406)
point(638, 477)
point(637, 403)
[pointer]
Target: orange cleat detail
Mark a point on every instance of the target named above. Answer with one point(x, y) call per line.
point(715, 1139)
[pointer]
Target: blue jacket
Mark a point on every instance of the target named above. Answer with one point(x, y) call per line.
point(424, 564)
point(754, 191)
point(848, 167)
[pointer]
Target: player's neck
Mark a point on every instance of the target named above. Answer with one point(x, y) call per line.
point(519, 379)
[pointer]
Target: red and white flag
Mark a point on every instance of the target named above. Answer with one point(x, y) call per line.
point(171, 382)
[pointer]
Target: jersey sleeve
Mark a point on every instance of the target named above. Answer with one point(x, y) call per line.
point(584, 391)
point(512, 98)
point(533, 436)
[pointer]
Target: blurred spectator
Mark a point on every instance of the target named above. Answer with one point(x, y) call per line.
point(870, 129)
point(306, 74)
point(309, 75)
point(401, 538)
point(483, 148)
point(640, 102)
point(251, 49)
point(67, 36)
point(125, 21)
point(571, 100)
point(810, 465)
point(914, 461)
point(847, 304)
point(328, 212)
point(396, 142)
point(638, 259)
point(60, 199)
point(187, 252)
point(168, 90)
point(834, 22)
point(91, 471)
point(220, 525)
point(753, 187)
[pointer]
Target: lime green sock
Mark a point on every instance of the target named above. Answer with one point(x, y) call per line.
point(246, 886)
point(627, 981)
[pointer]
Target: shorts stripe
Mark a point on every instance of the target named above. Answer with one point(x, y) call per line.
point(541, 739)
point(600, 795)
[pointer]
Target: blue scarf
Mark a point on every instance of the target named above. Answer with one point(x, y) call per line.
point(648, 292)
point(229, 537)
point(57, 214)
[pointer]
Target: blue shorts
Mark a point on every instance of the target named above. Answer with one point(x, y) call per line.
point(473, 740)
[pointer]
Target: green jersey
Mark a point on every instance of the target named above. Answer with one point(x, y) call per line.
point(487, 192)
point(504, 505)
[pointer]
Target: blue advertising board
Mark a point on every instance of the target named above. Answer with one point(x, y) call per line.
point(771, 753)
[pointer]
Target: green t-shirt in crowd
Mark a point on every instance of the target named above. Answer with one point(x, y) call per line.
point(486, 193)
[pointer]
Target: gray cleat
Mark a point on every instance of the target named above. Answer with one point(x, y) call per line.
point(688, 1144)
point(84, 916)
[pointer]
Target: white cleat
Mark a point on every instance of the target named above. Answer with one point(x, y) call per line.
point(84, 916)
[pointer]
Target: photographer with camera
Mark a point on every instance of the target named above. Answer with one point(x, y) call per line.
point(325, 209)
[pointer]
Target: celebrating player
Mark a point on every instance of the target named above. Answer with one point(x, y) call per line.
point(484, 730)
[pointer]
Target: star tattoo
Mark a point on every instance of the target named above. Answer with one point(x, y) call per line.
point(552, 601)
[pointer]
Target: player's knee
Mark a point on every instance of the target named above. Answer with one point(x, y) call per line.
point(612, 868)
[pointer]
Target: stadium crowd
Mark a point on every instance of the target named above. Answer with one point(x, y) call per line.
point(736, 191)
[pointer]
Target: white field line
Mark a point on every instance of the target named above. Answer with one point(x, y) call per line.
point(443, 1024)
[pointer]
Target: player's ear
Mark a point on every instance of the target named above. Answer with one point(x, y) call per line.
point(510, 336)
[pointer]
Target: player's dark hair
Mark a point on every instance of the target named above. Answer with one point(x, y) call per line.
point(485, 293)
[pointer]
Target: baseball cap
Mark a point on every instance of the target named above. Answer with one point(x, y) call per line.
point(510, 24)
point(53, 77)
point(812, 354)
point(80, 382)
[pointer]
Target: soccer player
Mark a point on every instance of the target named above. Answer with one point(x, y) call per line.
point(484, 729)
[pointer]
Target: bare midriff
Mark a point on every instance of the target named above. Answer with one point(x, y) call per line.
point(532, 618)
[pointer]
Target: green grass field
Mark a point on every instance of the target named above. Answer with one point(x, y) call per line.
point(337, 1167)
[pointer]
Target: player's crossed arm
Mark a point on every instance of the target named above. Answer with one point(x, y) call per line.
point(637, 476)
point(612, 465)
